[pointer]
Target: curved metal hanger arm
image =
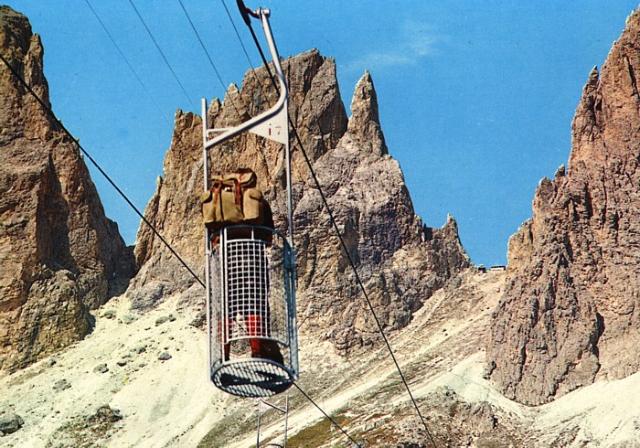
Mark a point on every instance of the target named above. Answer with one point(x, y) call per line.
point(276, 130)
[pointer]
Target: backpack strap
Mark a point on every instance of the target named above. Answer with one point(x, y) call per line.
point(238, 193)
point(217, 197)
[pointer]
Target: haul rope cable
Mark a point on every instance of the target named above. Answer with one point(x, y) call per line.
point(215, 69)
point(244, 49)
point(126, 60)
point(99, 168)
point(335, 226)
point(164, 57)
point(206, 52)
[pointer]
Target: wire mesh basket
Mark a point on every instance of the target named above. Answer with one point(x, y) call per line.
point(253, 347)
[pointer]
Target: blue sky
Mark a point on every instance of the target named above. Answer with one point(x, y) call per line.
point(476, 98)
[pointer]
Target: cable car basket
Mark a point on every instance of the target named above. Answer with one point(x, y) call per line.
point(251, 312)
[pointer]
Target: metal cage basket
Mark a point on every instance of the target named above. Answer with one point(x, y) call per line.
point(253, 346)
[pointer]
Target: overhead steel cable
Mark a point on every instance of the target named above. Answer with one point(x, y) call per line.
point(254, 36)
point(48, 110)
point(345, 249)
point(244, 49)
point(206, 52)
point(126, 60)
point(164, 57)
point(215, 69)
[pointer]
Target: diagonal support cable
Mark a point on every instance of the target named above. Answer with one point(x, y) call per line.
point(164, 57)
point(206, 52)
point(331, 419)
point(126, 60)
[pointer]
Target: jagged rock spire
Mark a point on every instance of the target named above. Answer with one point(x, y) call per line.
point(364, 123)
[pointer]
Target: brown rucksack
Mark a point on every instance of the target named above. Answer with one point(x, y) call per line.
point(234, 199)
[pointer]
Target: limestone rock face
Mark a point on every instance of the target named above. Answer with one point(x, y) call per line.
point(571, 308)
point(59, 254)
point(400, 260)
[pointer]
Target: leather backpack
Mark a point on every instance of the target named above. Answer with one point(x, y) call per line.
point(235, 199)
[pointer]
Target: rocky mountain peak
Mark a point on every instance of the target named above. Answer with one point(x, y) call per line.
point(571, 308)
point(364, 123)
point(20, 114)
point(60, 255)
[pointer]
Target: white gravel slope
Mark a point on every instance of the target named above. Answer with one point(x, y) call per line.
point(171, 403)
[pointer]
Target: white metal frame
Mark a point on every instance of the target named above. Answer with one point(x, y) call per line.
point(272, 124)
